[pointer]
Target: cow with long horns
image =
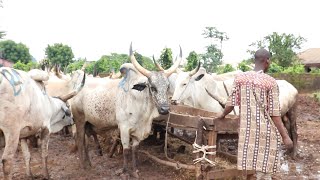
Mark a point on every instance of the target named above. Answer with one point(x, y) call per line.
point(130, 104)
point(25, 110)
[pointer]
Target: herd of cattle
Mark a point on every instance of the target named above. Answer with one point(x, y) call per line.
point(42, 102)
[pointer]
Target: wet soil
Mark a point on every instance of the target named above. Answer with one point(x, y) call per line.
point(63, 164)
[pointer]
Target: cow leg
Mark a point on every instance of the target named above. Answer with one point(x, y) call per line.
point(135, 145)
point(33, 141)
point(125, 140)
point(27, 156)
point(91, 132)
point(81, 144)
point(12, 141)
point(293, 129)
point(44, 152)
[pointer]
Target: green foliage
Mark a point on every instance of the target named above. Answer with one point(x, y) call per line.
point(316, 95)
point(315, 71)
point(25, 67)
point(275, 68)
point(244, 66)
point(224, 69)
point(193, 59)
point(283, 47)
point(75, 65)
point(59, 54)
point(295, 69)
point(166, 58)
point(15, 52)
point(213, 56)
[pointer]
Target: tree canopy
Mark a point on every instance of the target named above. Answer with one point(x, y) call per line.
point(193, 59)
point(15, 52)
point(283, 47)
point(59, 54)
point(166, 58)
point(213, 56)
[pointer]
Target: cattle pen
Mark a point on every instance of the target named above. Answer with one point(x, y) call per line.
point(209, 132)
point(206, 145)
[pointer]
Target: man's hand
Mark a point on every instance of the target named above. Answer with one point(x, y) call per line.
point(288, 143)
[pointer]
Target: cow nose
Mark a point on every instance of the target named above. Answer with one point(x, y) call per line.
point(174, 102)
point(164, 110)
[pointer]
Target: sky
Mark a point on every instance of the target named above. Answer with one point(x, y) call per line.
point(97, 27)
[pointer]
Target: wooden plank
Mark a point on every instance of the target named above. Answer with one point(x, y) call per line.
point(227, 125)
point(212, 141)
point(187, 120)
point(227, 173)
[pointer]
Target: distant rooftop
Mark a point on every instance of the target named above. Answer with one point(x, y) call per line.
point(310, 57)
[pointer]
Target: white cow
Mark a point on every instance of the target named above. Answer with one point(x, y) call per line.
point(205, 92)
point(25, 110)
point(129, 104)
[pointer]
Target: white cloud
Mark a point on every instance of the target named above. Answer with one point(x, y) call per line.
point(97, 27)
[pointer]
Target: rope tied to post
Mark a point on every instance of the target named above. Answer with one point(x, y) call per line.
point(204, 149)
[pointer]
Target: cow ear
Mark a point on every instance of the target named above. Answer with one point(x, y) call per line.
point(199, 77)
point(139, 87)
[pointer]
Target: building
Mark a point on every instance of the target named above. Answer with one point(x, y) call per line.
point(5, 63)
point(310, 58)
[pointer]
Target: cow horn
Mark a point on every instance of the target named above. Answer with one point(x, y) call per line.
point(194, 71)
point(65, 98)
point(157, 64)
point(137, 65)
point(176, 64)
point(85, 64)
point(56, 71)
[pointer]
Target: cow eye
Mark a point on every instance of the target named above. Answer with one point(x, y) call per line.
point(153, 89)
point(139, 87)
point(184, 84)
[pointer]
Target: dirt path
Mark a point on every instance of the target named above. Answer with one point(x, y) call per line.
point(65, 165)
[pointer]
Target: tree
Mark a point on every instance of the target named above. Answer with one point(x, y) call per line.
point(213, 56)
point(15, 52)
point(59, 54)
point(193, 59)
point(166, 58)
point(75, 65)
point(283, 47)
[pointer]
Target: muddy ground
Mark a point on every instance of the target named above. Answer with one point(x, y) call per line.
point(64, 164)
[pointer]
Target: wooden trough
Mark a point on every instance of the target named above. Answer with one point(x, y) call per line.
point(184, 117)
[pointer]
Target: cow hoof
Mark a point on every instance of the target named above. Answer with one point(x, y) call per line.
point(135, 174)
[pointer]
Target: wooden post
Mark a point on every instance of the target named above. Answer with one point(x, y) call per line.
point(212, 141)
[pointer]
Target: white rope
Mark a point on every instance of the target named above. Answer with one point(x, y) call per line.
point(204, 149)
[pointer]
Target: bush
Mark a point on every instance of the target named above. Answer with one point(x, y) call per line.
point(315, 71)
point(25, 67)
point(275, 68)
point(295, 69)
point(243, 66)
point(224, 69)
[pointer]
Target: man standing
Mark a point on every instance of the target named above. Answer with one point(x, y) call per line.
point(257, 94)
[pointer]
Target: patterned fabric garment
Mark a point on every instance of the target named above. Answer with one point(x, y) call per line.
point(257, 94)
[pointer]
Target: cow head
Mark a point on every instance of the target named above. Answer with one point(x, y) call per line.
point(62, 116)
point(184, 85)
point(60, 84)
point(157, 83)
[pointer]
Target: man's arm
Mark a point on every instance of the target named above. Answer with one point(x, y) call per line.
point(226, 111)
point(283, 132)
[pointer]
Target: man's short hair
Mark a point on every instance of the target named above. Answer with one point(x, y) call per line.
point(262, 54)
